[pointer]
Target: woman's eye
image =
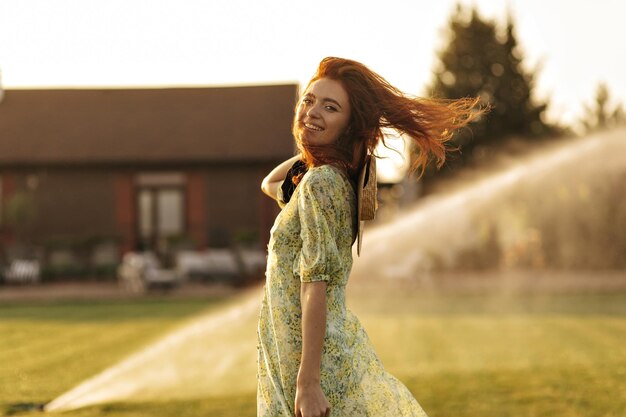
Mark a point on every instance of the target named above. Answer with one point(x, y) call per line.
point(331, 108)
point(307, 101)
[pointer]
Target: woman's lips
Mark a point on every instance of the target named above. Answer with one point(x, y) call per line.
point(311, 126)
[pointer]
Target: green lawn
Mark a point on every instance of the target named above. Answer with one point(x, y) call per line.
point(504, 355)
point(461, 355)
point(47, 348)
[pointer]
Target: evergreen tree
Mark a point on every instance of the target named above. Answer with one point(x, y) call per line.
point(602, 114)
point(479, 61)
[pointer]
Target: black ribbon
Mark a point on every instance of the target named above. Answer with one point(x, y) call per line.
point(288, 186)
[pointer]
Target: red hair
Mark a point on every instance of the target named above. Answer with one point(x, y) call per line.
point(375, 105)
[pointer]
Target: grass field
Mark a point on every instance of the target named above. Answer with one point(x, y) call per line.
point(461, 355)
point(505, 355)
point(47, 348)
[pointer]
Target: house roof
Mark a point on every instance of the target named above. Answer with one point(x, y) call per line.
point(159, 125)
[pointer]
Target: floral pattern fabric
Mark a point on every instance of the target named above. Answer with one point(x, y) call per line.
point(311, 240)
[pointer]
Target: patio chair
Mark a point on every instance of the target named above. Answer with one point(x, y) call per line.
point(23, 271)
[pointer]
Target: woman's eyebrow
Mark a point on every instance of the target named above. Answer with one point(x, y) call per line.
point(332, 100)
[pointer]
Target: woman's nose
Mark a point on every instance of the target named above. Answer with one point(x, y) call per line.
point(312, 112)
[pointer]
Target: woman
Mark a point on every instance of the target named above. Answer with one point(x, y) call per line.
point(314, 357)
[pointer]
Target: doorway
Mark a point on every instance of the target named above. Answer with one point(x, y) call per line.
point(160, 210)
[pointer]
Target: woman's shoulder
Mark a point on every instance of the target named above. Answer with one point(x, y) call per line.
point(324, 173)
point(327, 179)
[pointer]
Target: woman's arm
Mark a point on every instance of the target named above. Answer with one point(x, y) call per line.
point(310, 400)
point(270, 184)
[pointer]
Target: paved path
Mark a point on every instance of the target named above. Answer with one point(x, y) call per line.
point(102, 290)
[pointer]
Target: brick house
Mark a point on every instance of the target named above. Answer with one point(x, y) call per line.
point(144, 166)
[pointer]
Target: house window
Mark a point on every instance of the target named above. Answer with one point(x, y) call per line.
point(170, 204)
point(161, 209)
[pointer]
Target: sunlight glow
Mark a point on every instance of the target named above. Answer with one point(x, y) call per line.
point(394, 163)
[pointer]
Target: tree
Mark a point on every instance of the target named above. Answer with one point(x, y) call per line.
point(480, 61)
point(601, 114)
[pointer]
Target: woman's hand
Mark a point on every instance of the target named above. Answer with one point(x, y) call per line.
point(311, 401)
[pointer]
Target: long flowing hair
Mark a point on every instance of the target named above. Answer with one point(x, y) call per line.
point(376, 106)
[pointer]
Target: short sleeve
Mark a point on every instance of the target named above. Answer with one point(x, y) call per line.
point(280, 197)
point(319, 256)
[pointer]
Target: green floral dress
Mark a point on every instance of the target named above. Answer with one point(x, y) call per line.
point(311, 240)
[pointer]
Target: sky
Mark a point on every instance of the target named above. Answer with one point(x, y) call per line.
point(123, 43)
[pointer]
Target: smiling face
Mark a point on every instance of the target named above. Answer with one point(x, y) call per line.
point(323, 113)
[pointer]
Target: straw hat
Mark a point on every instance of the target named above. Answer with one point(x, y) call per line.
point(367, 203)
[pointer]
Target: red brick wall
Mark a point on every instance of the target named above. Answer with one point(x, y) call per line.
point(73, 202)
point(220, 201)
point(237, 204)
